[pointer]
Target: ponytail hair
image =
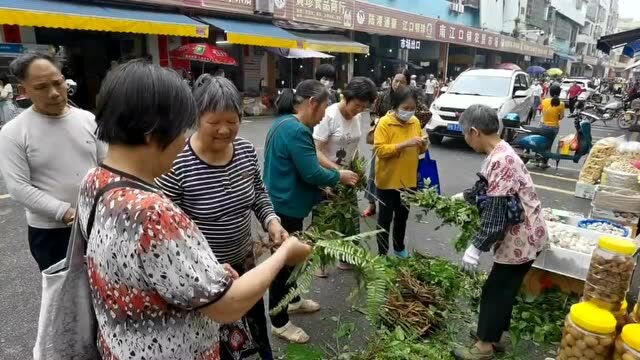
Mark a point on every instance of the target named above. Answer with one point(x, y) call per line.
point(307, 89)
point(285, 102)
point(554, 91)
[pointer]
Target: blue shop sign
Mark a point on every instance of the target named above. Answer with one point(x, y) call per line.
point(11, 49)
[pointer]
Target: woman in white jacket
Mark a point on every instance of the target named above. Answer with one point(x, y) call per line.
point(7, 107)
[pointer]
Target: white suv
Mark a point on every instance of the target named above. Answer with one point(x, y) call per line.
point(584, 83)
point(506, 91)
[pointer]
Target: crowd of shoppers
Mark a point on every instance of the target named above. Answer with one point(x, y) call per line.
point(167, 216)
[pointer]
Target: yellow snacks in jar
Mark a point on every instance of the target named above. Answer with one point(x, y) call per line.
point(627, 345)
point(610, 272)
point(589, 333)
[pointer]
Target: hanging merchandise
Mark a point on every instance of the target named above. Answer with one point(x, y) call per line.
point(589, 332)
point(610, 272)
point(627, 345)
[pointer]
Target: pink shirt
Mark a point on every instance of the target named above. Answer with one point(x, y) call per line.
point(507, 176)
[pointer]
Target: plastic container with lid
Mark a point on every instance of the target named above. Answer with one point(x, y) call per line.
point(634, 316)
point(610, 272)
point(628, 343)
point(621, 316)
point(589, 332)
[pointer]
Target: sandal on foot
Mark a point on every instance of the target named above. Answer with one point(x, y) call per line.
point(499, 347)
point(471, 353)
point(321, 273)
point(304, 306)
point(344, 266)
point(291, 333)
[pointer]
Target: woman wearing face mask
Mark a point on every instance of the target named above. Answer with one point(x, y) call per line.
point(326, 74)
point(398, 142)
point(216, 180)
point(294, 178)
point(380, 108)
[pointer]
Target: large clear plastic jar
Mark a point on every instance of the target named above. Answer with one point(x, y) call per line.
point(627, 345)
point(621, 316)
point(610, 272)
point(589, 332)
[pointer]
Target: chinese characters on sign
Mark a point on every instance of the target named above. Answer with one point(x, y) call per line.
point(463, 35)
point(382, 20)
point(409, 44)
point(338, 13)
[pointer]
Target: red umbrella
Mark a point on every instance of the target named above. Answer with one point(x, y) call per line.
point(509, 66)
point(203, 53)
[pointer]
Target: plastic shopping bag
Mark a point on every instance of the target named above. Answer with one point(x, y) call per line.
point(428, 169)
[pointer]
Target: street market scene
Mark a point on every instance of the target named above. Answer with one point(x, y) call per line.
point(320, 179)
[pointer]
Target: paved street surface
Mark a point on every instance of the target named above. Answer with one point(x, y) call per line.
point(20, 280)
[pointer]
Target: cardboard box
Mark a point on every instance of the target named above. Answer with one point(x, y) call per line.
point(585, 191)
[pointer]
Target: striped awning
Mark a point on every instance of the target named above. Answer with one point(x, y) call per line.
point(254, 33)
point(85, 16)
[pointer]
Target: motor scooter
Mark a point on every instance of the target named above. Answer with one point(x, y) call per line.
point(606, 112)
point(630, 117)
point(530, 143)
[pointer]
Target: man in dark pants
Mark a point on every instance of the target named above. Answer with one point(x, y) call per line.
point(46, 152)
point(511, 224)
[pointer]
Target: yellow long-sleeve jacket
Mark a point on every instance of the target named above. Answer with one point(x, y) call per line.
point(396, 168)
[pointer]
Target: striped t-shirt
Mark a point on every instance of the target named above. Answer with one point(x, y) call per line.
point(219, 199)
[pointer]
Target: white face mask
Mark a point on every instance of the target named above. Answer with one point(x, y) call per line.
point(327, 83)
point(404, 115)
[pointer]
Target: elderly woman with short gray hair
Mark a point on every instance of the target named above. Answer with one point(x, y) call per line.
point(216, 180)
point(512, 227)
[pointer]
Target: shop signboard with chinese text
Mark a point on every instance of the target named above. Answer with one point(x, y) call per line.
point(463, 35)
point(382, 20)
point(509, 44)
point(235, 6)
point(336, 13)
point(410, 44)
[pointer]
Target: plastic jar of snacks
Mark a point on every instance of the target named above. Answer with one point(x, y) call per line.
point(612, 265)
point(628, 343)
point(621, 316)
point(634, 316)
point(589, 332)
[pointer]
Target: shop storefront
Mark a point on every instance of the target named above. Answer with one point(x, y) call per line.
point(90, 38)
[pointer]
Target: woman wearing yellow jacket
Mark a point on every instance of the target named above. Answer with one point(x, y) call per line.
point(398, 141)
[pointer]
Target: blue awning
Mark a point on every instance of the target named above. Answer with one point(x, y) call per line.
point(254, 33)
point(85, 16)
point(565, 56)
point(631, 49)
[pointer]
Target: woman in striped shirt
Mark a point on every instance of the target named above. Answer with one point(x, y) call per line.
point(216, 180)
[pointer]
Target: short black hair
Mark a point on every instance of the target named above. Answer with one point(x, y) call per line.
point(139, 99)
point(481, 117)
point(20, 65)
point(326, 71)
point(4, 78)
point(401, 95)
point(360, 88)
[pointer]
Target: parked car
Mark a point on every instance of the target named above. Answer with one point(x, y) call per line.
point(583, 82)
point(506, 91)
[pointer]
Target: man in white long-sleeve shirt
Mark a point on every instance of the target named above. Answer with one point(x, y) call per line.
point(45, 152)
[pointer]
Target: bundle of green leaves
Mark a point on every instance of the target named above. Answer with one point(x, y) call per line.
point(450, 211)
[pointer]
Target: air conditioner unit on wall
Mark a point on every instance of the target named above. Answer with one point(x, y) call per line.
point(457, 8)
point(264, 6)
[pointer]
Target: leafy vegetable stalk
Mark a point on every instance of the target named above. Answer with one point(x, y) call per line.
point(374, 276)
point(450, 211)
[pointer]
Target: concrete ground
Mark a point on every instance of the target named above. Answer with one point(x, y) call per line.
point(20, 279)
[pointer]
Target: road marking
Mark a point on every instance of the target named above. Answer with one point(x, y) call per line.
point(541, 187)
point(553, 176)
point(4, 196)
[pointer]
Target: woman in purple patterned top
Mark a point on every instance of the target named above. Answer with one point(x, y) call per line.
point(158, 290)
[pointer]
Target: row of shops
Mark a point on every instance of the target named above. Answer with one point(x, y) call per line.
point(267, 51)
